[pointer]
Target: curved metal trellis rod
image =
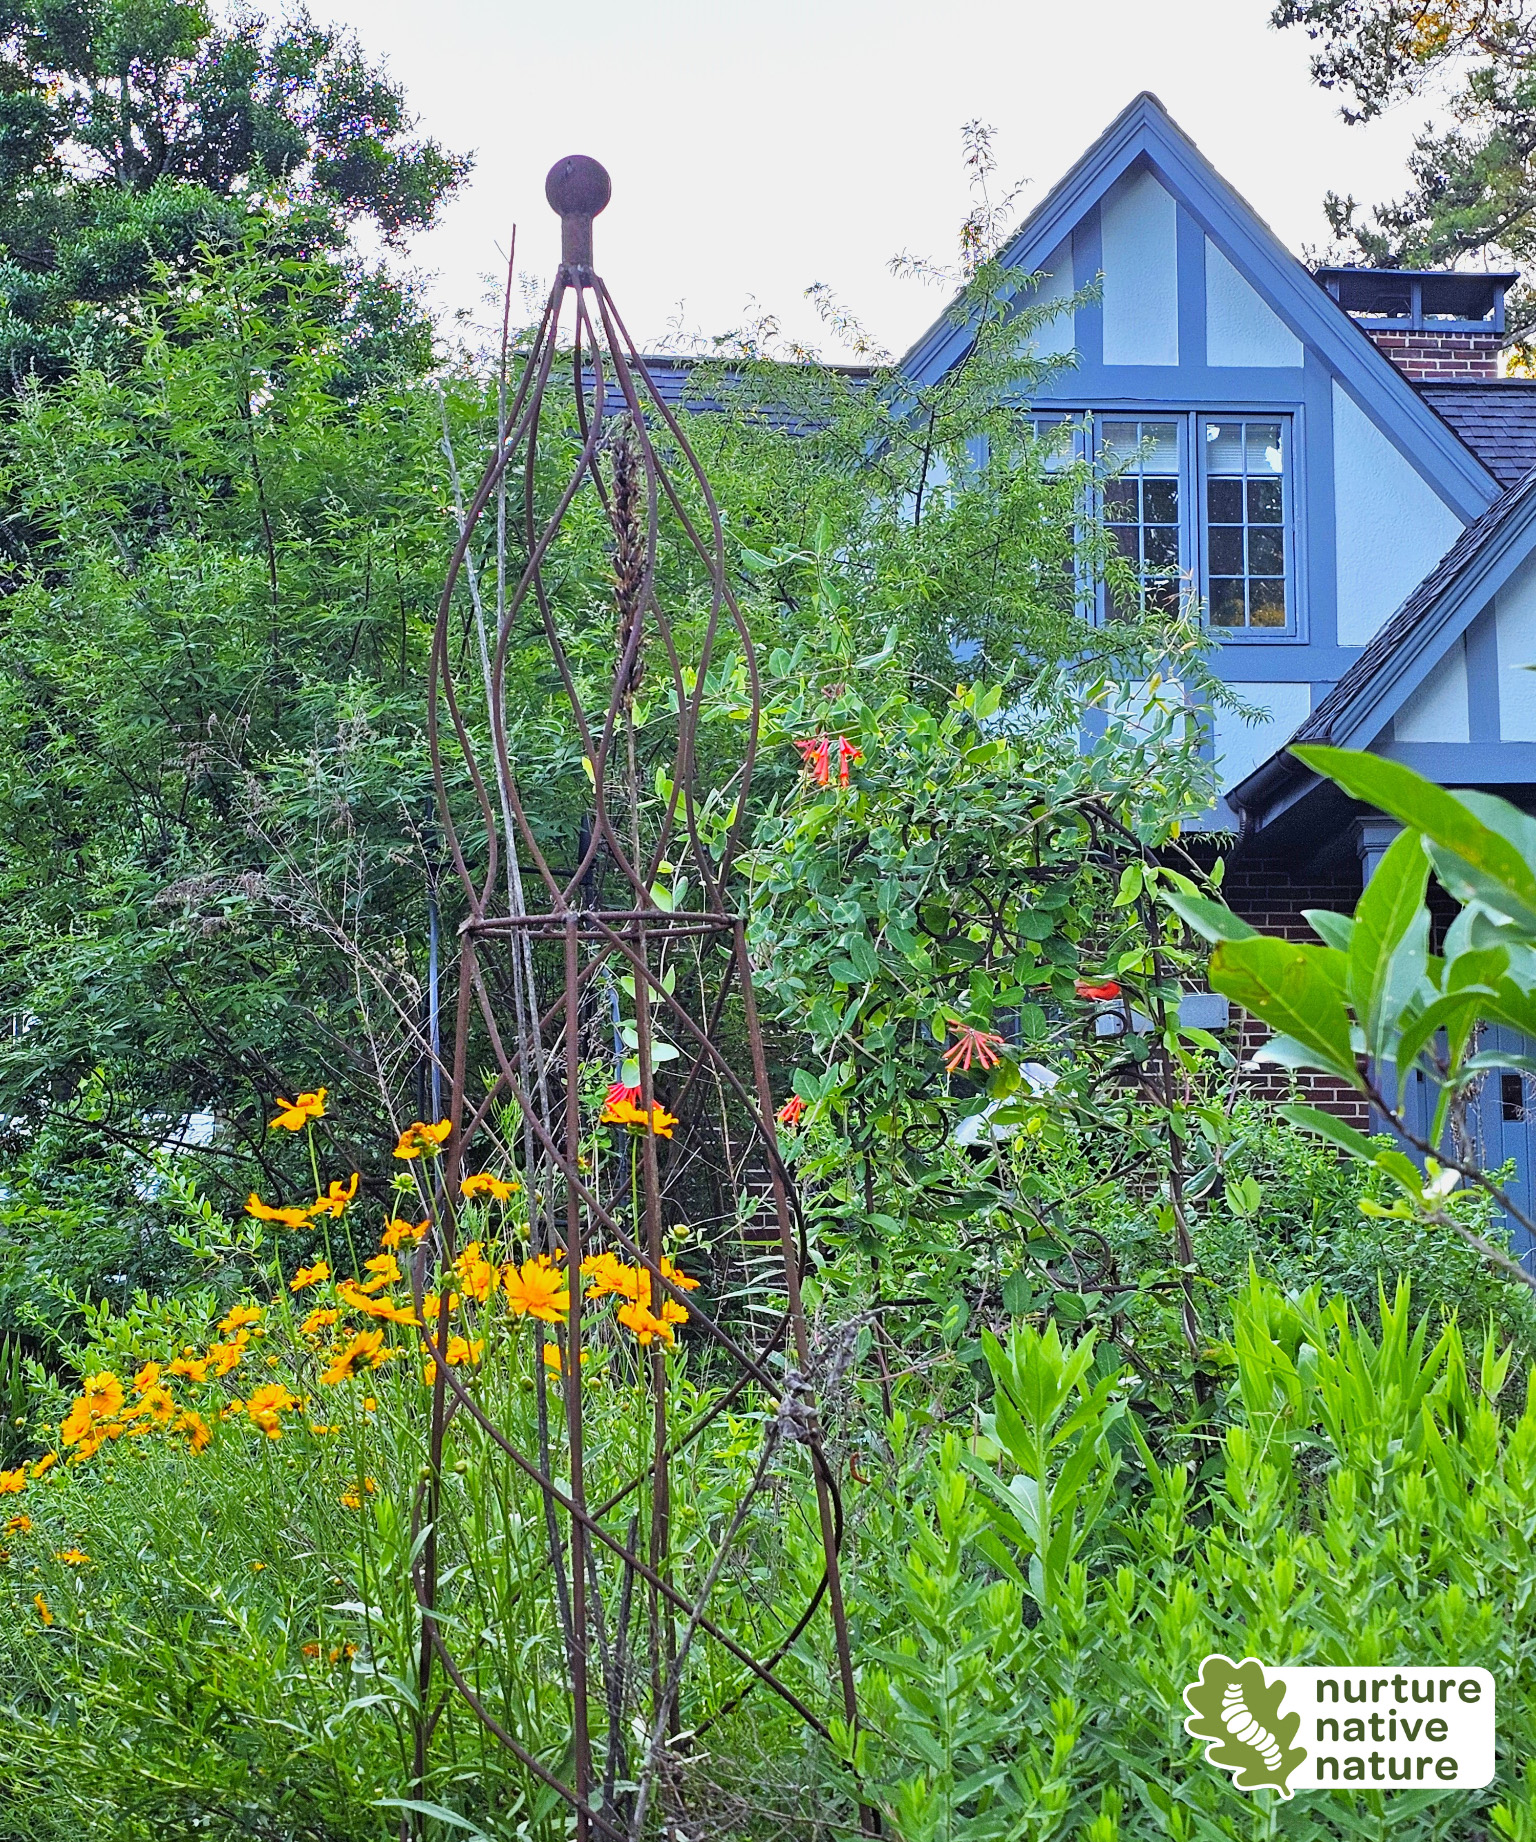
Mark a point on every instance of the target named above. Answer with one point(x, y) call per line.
point(537, 988)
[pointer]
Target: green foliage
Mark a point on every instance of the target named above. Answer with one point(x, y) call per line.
point(133, 138)
point(1359, 1507)
point(1374, 990)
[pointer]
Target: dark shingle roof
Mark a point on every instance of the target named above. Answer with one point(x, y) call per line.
point(1496, 418)
point(1320, 725)
point(769, 392)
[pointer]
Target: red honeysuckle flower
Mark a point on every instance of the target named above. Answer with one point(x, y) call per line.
point(791, 1112)
point(971, 1044)
point(815, 755)
point(1096, 988)
point(846, 753)
point(621, 1092)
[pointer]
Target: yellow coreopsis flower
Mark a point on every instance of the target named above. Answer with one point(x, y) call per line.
point(385, 1269)
point(238, 1317)
point(146, 1377)
point(365, 1347)
point(42, 1608)
point(196, 1429)
point(536, 1290)
point(45, 1463)
point(397, 1232)
point(18, 1525)
point(12, 1483)
point(318, 1321)
point(420, 1139)
point(309, 1276)
point(157, 1404)
point(482, 1183)
point(192, 1368)
point(336, 1198)
point(644, 1324)
point(72, 1557)
point(295, 1115)
point(267, 1404)
point(264, 1212)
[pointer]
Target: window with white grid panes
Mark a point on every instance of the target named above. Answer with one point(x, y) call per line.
point(1246, 519)
point(1143, 507)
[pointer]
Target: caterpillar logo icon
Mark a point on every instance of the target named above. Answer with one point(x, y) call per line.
point(1238, 1712)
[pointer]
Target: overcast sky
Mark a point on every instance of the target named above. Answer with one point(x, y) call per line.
point(755, 150)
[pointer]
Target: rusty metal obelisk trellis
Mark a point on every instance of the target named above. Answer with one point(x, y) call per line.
point(640, 907)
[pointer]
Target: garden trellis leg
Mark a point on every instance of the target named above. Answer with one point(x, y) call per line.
point(556, 955)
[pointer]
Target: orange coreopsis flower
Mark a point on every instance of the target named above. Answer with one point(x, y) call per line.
point(196, 1429)
point(419, 1139)
point(266, 1406)
point(609, 1274)
point(265, 1212)
point(643, 1323)
point(72, 1557)
point(309, 1276)
point(336, 1198)
point(238, 1317)
point(156, 1404)
point(42, 1608)
point(224, 1358)
point(675, 1275)
point(971, 1044)
point(18, 1525)
point(146, 1377)
point(12, 1483)
point(477, 1273)
point(537, 1290)
point(192, 1368)
point(554, 1358)
point(317, 1321)
point(484, 1184)
point(365, 1348)
point(45, 1463)
point(397, 1232)
point(295, 1115)
point(385, 1269)
point(625, 1113)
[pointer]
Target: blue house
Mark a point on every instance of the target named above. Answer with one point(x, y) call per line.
point(1333, 465)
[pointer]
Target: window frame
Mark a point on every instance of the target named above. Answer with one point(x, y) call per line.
point(1201, 420)
point(1194, 524)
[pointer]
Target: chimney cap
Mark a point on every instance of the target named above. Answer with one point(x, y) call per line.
point(1470, 300)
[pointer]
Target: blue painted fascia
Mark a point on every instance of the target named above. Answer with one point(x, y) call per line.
point(1467, 764)
point(1145, 131)
point(1467, 596)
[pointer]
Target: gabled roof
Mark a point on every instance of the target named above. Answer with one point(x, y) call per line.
point(1404, 651)
point(1495, 417)
point(1145, 132)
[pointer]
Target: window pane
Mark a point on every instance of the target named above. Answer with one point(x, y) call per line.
point(1120, 498)
point(1266, 601)
point(1226, 550)
point(1160, 546)
point(1264, 452)
point(1120, 442)
point(1266, 550)
point(1160, 501)
point(1266, 501)
point(1226, 602)
point(1224, 447)
point(1160, 442)
point(1224, 501)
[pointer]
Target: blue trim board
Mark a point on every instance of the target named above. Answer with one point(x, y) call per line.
point(1483, 716)
point(1467, 764)
point(1088, 320)
point(1315, 512)
point(1190, 258)
point(1405, 666)
point(1144, 131)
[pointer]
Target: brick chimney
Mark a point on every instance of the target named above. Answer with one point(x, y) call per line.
point(1434, 324)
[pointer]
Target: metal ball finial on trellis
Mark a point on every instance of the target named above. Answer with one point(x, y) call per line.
point(644, 906)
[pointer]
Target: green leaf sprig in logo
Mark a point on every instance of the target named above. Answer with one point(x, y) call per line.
point(1239, 1714)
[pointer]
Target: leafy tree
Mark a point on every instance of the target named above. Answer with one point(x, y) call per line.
point(1473, 186)
point(135, 133)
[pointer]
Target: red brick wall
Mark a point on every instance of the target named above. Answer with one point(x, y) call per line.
point(1267, 897)
point(1447, 356)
